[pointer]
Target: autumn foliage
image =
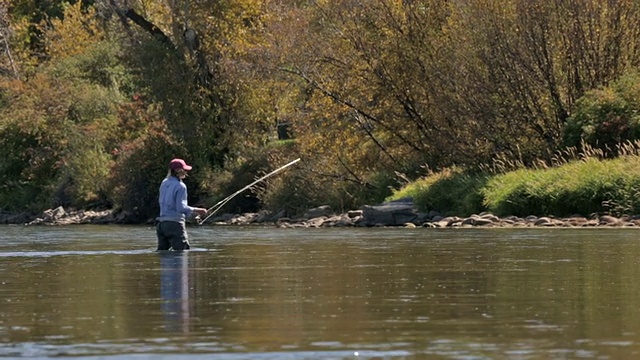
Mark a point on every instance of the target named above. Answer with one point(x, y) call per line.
point(97, 96)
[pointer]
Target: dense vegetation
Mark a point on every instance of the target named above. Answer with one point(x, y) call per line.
point(96, 96)
point(588, 186)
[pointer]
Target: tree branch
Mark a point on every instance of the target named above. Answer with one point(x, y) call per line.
point(149, 27)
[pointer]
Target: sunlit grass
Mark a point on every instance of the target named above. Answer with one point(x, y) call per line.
point(576, 183)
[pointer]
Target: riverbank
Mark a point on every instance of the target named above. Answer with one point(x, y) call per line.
point(589, 186)
point(401, 213)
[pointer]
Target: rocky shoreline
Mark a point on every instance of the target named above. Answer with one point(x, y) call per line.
point(400, 213)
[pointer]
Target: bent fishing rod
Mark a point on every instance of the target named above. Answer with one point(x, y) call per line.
point(215, 208)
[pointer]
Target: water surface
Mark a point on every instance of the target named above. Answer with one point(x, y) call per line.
point(265, 293)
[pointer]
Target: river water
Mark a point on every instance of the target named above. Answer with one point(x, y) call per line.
point(98, 292)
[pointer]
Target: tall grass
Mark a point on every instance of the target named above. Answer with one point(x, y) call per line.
point(579, 187)
point(577, 183)
point(450, 192)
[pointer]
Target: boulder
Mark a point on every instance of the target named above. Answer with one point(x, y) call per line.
point(324, 210)
point(54, 214)
point(394, 213)
point(484, 221)
point(608, 220)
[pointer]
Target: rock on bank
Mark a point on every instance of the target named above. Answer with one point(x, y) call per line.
point(400, 213)
point(403, 213)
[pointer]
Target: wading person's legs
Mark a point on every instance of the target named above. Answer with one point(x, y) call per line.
point(163, 240)
point(173, 235)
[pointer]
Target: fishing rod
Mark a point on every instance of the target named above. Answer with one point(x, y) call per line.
point(222, 202)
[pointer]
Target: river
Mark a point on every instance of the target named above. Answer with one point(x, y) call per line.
point(94, 292)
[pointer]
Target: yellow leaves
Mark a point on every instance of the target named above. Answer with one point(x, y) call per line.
point(72, 35)
point(234, 25)
point(20, 35)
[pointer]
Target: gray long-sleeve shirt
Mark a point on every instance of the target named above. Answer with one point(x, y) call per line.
point(173, 200)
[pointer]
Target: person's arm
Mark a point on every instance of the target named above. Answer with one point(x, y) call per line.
point(183, 205)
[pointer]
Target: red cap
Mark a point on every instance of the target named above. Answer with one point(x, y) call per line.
point(176, 164)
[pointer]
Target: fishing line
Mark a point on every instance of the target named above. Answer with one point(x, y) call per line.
point(215, 208)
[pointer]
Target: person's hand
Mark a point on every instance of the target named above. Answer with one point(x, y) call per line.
point(200, 211)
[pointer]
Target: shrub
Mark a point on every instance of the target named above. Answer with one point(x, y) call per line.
point(450, 192)
point(26, 169)
point(604, 118)
point(57, 129)
point(310, 183)
point(140, 168)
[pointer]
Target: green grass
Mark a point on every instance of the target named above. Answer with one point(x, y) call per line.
point(578, 187)
point(451, 192)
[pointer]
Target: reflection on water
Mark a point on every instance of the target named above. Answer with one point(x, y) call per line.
point(174, 289)
point(264, 293)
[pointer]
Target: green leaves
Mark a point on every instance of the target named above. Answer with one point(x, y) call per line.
point(608, 117)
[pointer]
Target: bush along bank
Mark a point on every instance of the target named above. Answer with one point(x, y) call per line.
point(602, 192)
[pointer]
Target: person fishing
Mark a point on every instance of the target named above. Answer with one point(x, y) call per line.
point(171, 224)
